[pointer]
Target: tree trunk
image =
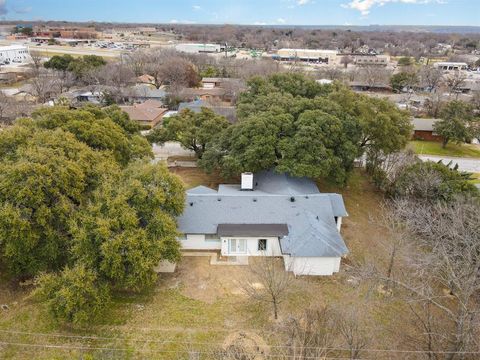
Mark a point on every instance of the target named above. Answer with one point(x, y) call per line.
point(444, 143)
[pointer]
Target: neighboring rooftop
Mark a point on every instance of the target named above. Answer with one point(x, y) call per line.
point(196, 106)
point(423, 124)
point(149, 111)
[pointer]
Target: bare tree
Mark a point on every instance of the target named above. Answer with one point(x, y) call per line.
point(312, 335)
point(433, 104)
point(443, 272)
point(44, 86)
point(454, 81)
point(374, 76)
point(431, 77)
point(331, 73)
point(11, 108)
point(269, 281)
point(37, 62)
point(352, 332)
point(345, 60)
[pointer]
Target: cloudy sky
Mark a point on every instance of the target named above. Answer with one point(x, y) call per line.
point(296, 12)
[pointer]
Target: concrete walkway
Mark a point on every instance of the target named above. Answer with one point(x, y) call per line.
point(464, 164)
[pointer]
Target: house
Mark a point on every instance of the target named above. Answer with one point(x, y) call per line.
point(146, 79)
point(207, 94)
point(229, 112)
point(144, 92)
point(423, 129)
point(267, 214)
point(215, 89)
point(149, 113)
point(364, 86)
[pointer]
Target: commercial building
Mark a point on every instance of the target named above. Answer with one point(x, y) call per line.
point(307, 55)
point(66, 32)
point(364, 60)
point(14, 54)
point(200, 48)
point(451, 65)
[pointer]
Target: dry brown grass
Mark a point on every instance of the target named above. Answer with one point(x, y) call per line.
point(203, 304)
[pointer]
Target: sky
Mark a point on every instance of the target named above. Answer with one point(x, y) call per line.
point(259, 12)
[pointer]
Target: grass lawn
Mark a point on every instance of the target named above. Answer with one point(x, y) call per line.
point(200, 305)
point(476, 178)
point(435, 148)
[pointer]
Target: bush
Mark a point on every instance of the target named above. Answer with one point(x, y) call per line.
point(431, 182)
point(74, 296)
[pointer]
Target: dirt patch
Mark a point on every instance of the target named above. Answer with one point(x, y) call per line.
point(197, 279)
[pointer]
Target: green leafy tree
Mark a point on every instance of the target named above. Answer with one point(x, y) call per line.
point(291, 123)
point(44, 178)
point(130, 226)
point(80, 66)
point(403, 80)
point(458, 123)
point(70, 208)
point(405, 61)
point(100, 129)
point(195, 131)
point(75, 295)
point(59, 62)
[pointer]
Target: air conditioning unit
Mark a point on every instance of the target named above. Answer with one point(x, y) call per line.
point(247, 182)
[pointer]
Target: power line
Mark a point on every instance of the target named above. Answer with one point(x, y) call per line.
point(76, 347)
point(91, 337)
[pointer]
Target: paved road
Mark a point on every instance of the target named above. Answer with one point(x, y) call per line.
point(464, 164)
point(170, 148)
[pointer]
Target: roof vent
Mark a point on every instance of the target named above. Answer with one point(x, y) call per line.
point(191, 204)
point(247, 182)
point(254, 200)
point(292, 199)
point(219, 199)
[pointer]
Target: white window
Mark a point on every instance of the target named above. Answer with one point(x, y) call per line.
point(237, 246)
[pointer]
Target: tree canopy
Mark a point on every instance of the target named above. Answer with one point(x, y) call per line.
point(458, 124)
point(193, 130)
point(81, 202)
point(78, 66)
point(430, 181)
point(295, 125)
point(108, 129)
point(403, 80)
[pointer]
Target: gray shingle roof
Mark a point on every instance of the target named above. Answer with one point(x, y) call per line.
point(248, 230)
point(229, 112)
point(424, 124)
point(310, 216)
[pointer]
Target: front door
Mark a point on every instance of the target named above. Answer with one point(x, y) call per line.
point(237, 246)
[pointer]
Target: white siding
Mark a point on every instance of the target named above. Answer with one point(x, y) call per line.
point(199, 242)
point(312, 265)
point(273, 247)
